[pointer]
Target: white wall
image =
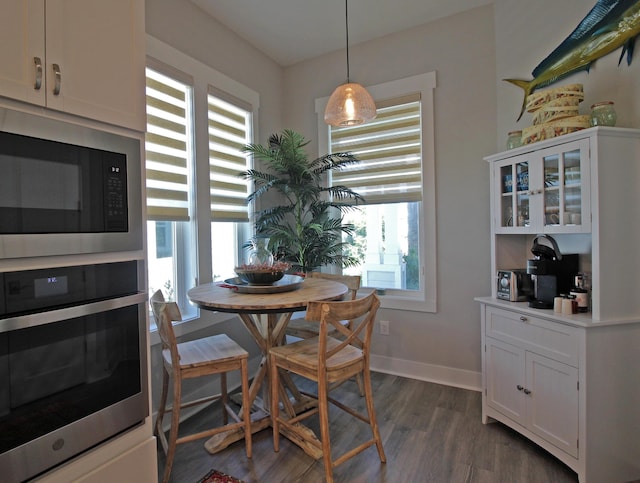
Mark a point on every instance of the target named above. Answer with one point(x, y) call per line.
point(460, 49)
point(471, 52)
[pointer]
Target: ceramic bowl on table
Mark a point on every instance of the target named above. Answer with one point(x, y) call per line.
point(260, 275)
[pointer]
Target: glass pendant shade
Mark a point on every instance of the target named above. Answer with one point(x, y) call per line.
point(349, 105)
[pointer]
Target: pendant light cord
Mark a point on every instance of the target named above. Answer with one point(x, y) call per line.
point(346, 16)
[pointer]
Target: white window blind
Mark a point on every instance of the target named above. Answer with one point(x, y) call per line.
point(229, 132)
point(389, 149)
point(167, 146)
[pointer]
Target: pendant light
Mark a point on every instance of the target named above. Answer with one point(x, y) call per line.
point(350, 104)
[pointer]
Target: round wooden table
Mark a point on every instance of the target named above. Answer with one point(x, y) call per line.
point(266, 316)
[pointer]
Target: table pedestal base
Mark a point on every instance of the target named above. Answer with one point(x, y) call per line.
point(259, 421)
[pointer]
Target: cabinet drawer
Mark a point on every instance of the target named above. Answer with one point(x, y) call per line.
point(556, 341)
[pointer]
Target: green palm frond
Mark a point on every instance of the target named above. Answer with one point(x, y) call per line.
point(306, 227)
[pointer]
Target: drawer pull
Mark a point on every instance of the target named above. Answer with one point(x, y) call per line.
point(527, 392)
point(520, 388)
point(523, 318)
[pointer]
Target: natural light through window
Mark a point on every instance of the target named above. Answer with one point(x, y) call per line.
point(395, 229)
point(389, 177)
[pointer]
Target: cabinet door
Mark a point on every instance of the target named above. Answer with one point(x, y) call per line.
point(96, 58)
point(545, 191)
point(22, 53)
point(505, 378)
point(565, 190)
point(552, 401)
point(511, 195)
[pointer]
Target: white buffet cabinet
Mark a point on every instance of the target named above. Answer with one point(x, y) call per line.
point(569, 383)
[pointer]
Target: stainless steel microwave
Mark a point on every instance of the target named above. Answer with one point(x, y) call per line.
point(66, 189)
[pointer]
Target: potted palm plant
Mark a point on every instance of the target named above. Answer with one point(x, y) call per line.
point(306, 228)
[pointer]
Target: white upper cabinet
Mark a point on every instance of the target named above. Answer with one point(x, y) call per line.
point(82, 57)
point(543, 191)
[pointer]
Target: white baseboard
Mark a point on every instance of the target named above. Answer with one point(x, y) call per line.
point(448, 376)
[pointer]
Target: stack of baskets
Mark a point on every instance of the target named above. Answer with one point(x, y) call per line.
point(555, 112)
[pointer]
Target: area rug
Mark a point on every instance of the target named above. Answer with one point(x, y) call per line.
point(215, 476)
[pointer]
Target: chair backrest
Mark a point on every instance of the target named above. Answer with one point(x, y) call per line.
point(351, 281)
point(362, 312)
point(165, 313)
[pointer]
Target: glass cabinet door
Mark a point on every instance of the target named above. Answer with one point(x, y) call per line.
point(514, 197)
point(564, 189)
point(544, 191)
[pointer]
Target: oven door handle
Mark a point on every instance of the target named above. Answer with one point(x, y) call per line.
point(57, 315)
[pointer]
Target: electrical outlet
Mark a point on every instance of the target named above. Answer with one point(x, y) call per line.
point(384, 327)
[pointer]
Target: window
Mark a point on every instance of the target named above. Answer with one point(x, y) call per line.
point(198, 120)
point(395, 230)
point(229, 131)
point(169, 152)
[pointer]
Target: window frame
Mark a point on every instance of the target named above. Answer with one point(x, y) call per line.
point(205, 78)
point(424, 300)
point(182, 231)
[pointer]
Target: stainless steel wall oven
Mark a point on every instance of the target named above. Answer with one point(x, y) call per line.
point(72, 361)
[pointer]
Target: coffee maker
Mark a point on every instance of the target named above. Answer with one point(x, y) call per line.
point(551, 272)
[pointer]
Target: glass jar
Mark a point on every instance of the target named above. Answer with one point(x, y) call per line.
point(260, 255)
point(603, 114)
point(514, 139)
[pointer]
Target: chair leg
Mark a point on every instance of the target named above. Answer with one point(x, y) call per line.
point(161, 407)
point(173, 432)
point(360, 384)
point(275, 402)
point(368, 393)
point(246, 410)
point(323, 408)
point(224, 397)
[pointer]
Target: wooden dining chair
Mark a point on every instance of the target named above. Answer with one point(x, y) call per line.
point(216, 354)
point(305, 329)
point(328, 360)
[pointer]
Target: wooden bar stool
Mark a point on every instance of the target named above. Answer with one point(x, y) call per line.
point(217, 354)
point(305, 329)
point(328, 360)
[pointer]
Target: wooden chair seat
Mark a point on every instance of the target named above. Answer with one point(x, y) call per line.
point(196, 354)
point(216, 354)
point(327, 361)
point(304, 356)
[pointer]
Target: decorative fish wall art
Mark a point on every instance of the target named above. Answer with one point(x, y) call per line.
point(609, 25)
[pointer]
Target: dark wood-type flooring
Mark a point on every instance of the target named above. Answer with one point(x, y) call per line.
point(431, 433)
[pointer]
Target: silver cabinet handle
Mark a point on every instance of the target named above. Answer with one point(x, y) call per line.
point(523, 318)
point(58, 77)
point(38, 63)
